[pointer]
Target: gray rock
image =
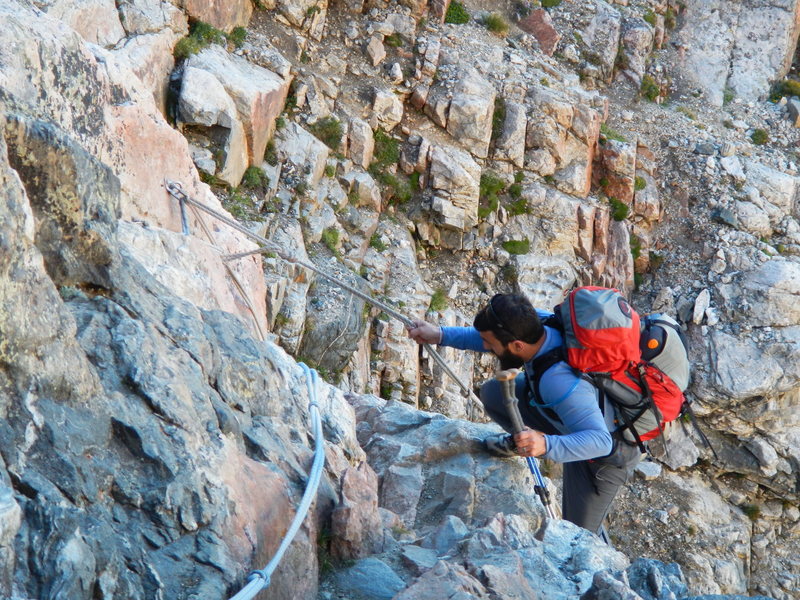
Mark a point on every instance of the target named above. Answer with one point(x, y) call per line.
point(417, 559)
point(793, 106)
point(471, 109)
point(447, 536)
point(375, 50)
point(370, 578)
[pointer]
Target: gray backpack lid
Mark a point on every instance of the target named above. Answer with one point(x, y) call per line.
point(663, 346)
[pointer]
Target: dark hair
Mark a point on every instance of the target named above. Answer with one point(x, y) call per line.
point(510, 317)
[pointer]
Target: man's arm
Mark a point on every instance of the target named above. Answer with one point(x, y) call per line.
point(575, 402)
point(463, 338)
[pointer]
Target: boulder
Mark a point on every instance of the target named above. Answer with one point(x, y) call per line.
point(637, 43)
point(455, 176)
point(769, 292)
point(96, 21)
point(387, 110)
point(471, 109)
point(259, 94)
point(510, 145)
point(616, 170)
point(307, 154)
point(540, 25)
point(602, 36)
point(222, 15)
point(151, 16)
point(205, 103)
point(356, 524)
point(360, 143)
point(150, 58)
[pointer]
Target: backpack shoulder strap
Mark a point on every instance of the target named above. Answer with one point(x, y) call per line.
point(539, 366)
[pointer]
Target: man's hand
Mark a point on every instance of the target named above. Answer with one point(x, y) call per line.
point(425, 333)
point(530, 443)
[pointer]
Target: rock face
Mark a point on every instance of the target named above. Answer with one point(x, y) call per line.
point(724, 46)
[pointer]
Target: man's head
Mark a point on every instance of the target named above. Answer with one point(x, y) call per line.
point(510, 328)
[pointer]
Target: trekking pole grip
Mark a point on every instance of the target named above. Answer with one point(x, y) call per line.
point(507, 380)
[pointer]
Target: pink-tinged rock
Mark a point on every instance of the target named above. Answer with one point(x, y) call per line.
point(540, 25)
point(616, 165)
point(356, 522)
point(255, 529)
point(585, 240)
point(96, 21)
point(602, 221)
point(222, 14)
point(259, 94)
point(150, 58)
point(438, 10)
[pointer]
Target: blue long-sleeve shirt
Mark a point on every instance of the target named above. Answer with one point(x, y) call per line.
point(584, 430)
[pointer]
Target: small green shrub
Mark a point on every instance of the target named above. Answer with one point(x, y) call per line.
point(760, 137)
point(636, 246)
point(457, 13)
point(414, 181)
point(619, 210)
point(670, 18)
point(387, 149)
point(438, 301)
point(611, 134)
point(604, 182)
point(394, 40)
point(329, 130)
point(280, 123)
point(495, 23)
point(330, 237)
point(515, 190)
point(545, 82)
point(312, 10)
point(253, 178)
point(550, 3)
point(727, 96)
point(186, 47)
point(789, 87)
point(650, 17)
point(517, 246)
point(488, 206)
point(519, 207)
point(377, 243)
point(330, 170)
point(639, 184)
point(649, 88)
point(207, 33)
point(491, 184)
point(519, 177)
point(237, 36)
point(498, 116)
point(752, 511)
point(271, 153)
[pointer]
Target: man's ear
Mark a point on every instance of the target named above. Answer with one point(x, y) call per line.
point(516, 346)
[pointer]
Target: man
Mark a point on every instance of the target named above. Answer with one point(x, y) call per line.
point(564, 420)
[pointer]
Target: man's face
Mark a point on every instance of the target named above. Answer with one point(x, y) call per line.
point(508, 360)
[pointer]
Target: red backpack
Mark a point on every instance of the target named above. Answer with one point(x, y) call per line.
point(604, 339)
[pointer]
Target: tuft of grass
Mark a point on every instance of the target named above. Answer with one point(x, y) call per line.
point(253, 178)
point(312, 10)
point(414, 181)
point(519, 207)
point(495, 23)
point(550, 3)
point(650, 17)
point(752, 511)
point(515, 190)
point(619, 210)
point(611, 134)
point(649, 88)
point(201, 35)
point(517, 246)
point(636, 246)
point(271, 153)
point(387, 149)
point(498, 116)
point(330, 237)
point(727, 96)
point(330, 170)
point(759, 137)
point(457, 13)
point(688, 113)
point(545, 82)
point(639, 184)
point(237, 36)
point(438, 301)
point(377, 243)
point(670, 18)
point(394, 40)
point(329, 130)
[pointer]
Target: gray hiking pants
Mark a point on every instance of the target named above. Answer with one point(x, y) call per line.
point(589, 486)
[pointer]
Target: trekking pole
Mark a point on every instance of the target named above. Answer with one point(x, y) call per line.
point(507, 382)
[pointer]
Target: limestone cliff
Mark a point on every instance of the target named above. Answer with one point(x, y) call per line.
point(155, 436)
